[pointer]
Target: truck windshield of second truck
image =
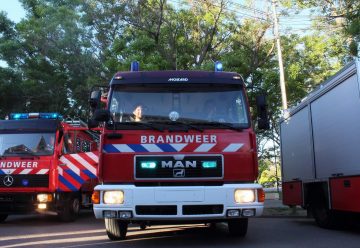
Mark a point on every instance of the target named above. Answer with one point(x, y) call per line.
point(202, 106)
point(20, 144)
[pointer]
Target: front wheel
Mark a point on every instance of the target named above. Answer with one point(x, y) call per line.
point(3, 217)
point(238, 227)
point(116, 229)
point(70, 210)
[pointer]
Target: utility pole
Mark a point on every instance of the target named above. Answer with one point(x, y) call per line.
point(281, 66)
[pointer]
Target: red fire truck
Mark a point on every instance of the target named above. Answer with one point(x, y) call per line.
point(46, 165)
point(177, 147)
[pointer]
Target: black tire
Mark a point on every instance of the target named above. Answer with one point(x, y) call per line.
point(3, 217)
point(70, 210)
point(116, 229)
point(142, 226)
point(324, 217)
point(211, 226)
point(238, 227)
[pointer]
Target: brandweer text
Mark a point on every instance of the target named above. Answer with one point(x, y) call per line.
point(151, 139)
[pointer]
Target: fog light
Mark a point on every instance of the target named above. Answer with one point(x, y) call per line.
point(42, 206)
point(109, 214)
point(125, 214)
point(233, 213)
point(44, 197)
point(248, 212)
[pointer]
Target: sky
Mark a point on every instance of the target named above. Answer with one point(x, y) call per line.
point(13, 8)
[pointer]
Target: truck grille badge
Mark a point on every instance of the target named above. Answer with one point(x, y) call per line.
point(8, 180)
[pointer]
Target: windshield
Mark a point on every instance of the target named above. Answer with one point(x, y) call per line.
point(195, 104)
point(38, 144)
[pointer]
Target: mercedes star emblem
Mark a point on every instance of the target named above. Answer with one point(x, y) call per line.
point(8, 180)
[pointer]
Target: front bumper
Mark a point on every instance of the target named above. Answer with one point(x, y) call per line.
point(23, 203)
point(178, 203)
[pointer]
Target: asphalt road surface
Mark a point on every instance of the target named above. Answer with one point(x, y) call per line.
point(46, 231)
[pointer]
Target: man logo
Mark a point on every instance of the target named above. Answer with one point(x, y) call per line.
point(179, 172)
point(8, 180)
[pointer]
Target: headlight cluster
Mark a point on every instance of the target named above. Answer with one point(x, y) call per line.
point(114, 197)
point(244, 195)
point(44, 198)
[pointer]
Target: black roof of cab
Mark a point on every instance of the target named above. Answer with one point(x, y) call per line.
point(29, 125)
point(166, 77)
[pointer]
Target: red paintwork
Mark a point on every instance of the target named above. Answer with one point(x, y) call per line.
point(345, 193)
point(52, 163)
point(238, 166)
point(292, 193)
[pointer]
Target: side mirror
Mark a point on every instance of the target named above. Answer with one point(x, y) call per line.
point(92, 123)
point(102, 115)
point(95, 98)
point(263, 121)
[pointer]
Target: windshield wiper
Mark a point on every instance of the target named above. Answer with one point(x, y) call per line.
point(221, 124)
point(28, 152)
point(145, 124)
point(173, 123)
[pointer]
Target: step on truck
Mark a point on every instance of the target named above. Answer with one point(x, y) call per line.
point(176, 147)
point(47, 165)
point(320, 150)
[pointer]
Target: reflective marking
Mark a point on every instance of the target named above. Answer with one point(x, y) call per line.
point(70, 165)
point(26, 171)
point(179, 147)
point(93, 156)
point(8, 171)
point(84, 163)
point(233, 147)
point(204, 147)
point(60, 170)
point(123, 148)
point(152, 147)
point(42, 171)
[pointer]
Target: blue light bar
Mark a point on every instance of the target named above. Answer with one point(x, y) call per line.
point(134, 66)
point(218, 66)
point(19, 116)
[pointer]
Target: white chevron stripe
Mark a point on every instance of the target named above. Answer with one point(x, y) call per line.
point(93, 156)
point(42, 171)
point(178, 147)
point(123, 148)
point(205, 147)
point(8, 171)
point(84, 163)
point(26, 171)
point(70, 165)
point(60, 170)
point(152, 148)
point(233, 147)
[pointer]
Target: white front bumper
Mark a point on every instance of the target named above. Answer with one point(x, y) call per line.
point(178, 196)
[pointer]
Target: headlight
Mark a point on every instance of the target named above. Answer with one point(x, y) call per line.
point(44, 197)
point(114, 197)
point(244, 195)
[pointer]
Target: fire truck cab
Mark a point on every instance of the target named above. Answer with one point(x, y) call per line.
point(176, 147)
point(47, 165)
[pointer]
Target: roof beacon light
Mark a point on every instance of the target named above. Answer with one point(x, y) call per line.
point(218, 66)
point(18, 116)
point(134, 66)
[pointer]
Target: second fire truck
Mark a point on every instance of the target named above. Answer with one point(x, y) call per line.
point(47, 165)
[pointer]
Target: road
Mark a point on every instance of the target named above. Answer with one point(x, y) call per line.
point(46, 231)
